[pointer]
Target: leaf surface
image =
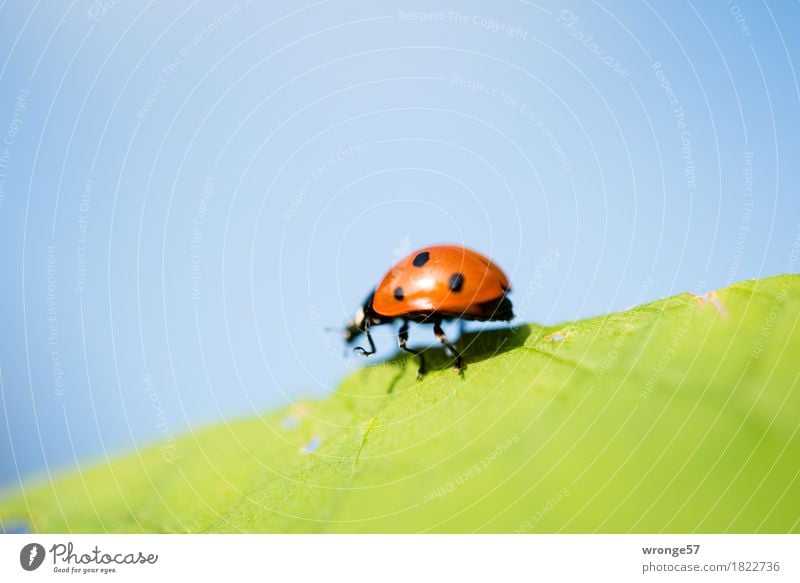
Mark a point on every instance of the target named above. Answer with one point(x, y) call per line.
point(681, 415)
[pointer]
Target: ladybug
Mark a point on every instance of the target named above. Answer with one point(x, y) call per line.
point(430, 286)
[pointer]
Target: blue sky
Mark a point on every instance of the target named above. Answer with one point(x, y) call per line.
point(191, 192)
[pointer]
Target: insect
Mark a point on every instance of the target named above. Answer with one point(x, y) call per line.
point(432, 285)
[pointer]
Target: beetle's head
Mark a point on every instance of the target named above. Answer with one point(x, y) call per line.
point(365, 316)
point(358, 324)
point(355, 327)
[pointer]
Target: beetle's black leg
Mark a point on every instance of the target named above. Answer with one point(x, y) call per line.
point(402, 339)
point(369, 339)
point(439, 333)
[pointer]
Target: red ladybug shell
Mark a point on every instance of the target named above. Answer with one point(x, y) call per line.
point(448, 280)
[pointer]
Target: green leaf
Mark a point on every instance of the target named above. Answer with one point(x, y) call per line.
point(677, 416)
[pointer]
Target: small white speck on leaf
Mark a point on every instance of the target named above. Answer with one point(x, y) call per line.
point(312, 445)
point(713, 299)
point(290, 422)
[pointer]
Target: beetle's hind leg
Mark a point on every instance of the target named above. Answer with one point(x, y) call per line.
point(402, 340)
point(439, 333)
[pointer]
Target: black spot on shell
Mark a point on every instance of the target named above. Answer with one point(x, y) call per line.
point(421, 259)
point(398, 293)
point(456, 282)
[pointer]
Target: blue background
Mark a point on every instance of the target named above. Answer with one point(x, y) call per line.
point(191, 192)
